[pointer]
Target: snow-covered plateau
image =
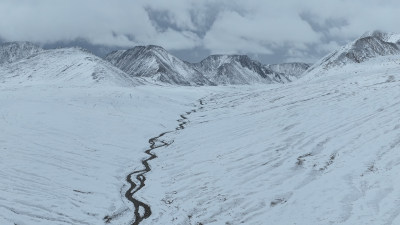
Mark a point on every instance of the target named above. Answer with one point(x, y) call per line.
point(77, 133)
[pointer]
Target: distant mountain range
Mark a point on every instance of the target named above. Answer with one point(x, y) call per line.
point(26, 62)
point(157, 64)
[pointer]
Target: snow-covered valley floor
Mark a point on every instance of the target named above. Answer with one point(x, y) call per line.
point(65, 152)
point(311, 152)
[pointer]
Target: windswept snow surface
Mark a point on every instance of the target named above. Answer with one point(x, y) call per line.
point(317, 151)
point(321, 152)
point(65, 152)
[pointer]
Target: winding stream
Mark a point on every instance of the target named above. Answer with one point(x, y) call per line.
point(137, 178)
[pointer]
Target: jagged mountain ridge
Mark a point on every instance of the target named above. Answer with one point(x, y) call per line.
point(69, 66)
point(155, 63)
point(292, 70)
point(14, 51)
point(388, 37)
point(368, 46)
point(237, 69)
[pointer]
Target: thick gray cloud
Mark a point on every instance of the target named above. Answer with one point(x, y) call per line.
point(271, 31)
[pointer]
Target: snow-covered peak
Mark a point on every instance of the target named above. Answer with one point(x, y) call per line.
point(388, 37)
point(221, 59)
point(14, 51)
point(65, 67)
point(368, 46)
point(292, 70)
point(237, 69)
point(156, 64)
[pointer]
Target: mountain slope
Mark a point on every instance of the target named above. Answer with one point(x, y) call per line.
point(14, 51)
point(71, 66)
point(237, 69)
point(321, 152)
point(291, 70)
point(368, 46)
point(155, 63)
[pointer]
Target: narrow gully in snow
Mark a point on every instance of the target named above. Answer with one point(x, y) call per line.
point(137, 178)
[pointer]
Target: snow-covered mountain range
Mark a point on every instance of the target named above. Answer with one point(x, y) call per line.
point(73, 66)
point(151, 64)
point(14, 51)
point(156, 63)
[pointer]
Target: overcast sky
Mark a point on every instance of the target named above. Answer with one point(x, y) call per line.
point(268, 30)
